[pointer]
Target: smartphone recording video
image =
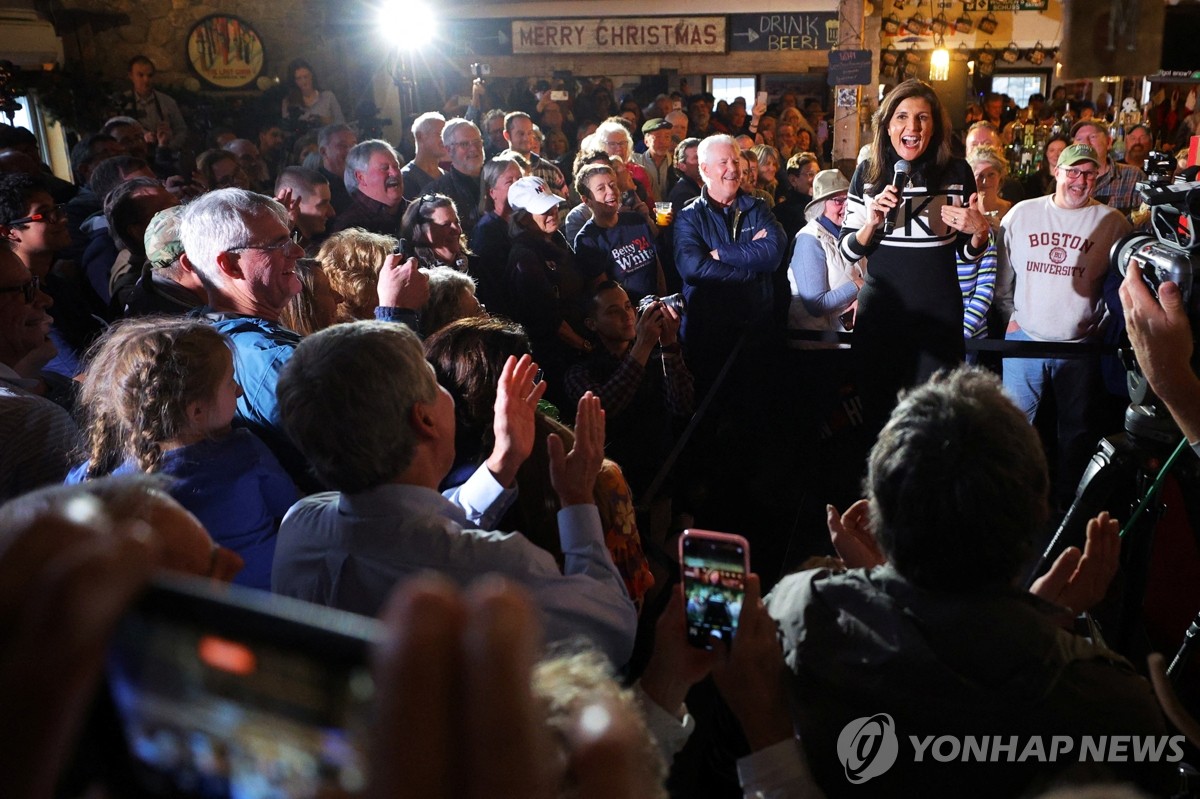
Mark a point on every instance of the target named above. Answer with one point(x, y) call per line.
point(239, 694)
point(714, 568)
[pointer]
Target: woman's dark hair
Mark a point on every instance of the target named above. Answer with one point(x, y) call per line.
point(520, 222)
point(882, 156)
point(467, 357)
point(293, 95)
point(415, 224)
point(1044, 166)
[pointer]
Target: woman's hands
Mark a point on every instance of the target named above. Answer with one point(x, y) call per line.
point(970, 218)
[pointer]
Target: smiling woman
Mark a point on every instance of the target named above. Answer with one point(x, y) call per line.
point(909, 321)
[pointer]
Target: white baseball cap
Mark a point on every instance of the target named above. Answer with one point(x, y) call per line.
point(533, 195)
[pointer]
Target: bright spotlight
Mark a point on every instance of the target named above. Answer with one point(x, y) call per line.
point(399, 20)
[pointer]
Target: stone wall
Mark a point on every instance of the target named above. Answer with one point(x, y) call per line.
point(158, 29)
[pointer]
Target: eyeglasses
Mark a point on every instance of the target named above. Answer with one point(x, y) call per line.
point(28, 290)
point(1086, 174)
point(56, 214)
point(279, 246)
point(467, 143)
point(837, 200)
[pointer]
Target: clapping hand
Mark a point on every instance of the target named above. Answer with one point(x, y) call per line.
point(514, 425)
point(852, 536)
point(573, 474)
point(1079, 581)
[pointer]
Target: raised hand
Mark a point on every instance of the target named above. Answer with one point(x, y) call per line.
point(573, 474)
point(970, 218)
point(1078, 581)
point(402, 284)
point(514, 425)
point(292, 204)
point(1162, 338)
point(852, 537)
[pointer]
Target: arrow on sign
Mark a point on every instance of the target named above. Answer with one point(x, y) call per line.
point(500, 37)
point(749, 34)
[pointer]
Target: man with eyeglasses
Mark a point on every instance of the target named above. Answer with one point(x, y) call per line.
point(37, 437)
point(239, 244)
point(1053, 265)
point(464, 143)
point(1116, 184)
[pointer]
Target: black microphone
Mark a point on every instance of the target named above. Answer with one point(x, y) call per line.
point(899, 180)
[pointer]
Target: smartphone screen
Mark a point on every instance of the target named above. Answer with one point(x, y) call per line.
point(245, 698)
point(714, 568)
point(761, 98)
point(559, 96)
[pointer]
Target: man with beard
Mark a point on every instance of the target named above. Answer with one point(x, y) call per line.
point(1116, 183)
point(461, 183)
point(1053, 264)
point(1137, 144)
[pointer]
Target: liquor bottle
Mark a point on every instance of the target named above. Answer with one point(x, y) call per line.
point(1117, 134)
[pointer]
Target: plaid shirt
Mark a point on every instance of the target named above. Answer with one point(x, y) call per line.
point(1117, 188)
point(618, 391)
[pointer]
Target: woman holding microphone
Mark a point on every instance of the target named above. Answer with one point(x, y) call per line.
point(913, 209)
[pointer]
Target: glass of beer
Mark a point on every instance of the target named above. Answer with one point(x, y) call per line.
point(662, 214)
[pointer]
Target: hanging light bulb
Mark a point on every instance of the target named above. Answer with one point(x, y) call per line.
point(939, 64)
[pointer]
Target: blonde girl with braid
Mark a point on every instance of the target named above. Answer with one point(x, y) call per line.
point(159, 397)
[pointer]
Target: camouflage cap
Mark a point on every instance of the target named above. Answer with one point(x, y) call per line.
point(162, 238)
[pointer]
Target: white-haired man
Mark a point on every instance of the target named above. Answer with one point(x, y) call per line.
point(727, 247)
point(376, 189)
point(239, 244)
point(464, 144)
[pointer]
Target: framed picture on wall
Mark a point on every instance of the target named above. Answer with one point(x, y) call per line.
point(225, 51)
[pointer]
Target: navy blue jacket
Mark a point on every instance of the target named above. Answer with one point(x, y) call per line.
point(734, 292)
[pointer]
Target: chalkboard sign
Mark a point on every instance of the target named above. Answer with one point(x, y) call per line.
point(849, 67)
point(791, 31)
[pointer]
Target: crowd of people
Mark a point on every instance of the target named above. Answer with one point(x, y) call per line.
point(351, 369)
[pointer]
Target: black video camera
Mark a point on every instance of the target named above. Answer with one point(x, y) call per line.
point(1166, 253)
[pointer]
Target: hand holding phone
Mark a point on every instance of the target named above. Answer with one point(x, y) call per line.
point(714, 568)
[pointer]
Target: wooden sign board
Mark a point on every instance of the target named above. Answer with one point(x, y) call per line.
point(663, 35)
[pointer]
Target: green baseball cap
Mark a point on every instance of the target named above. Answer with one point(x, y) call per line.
point(1073, 154)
